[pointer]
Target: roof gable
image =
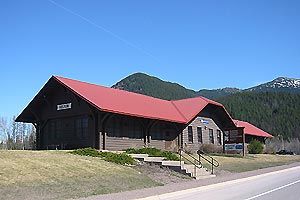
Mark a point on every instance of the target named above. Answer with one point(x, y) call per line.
point(123, 102)
point(132, 104)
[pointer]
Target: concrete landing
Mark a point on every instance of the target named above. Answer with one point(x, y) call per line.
point(187, 169)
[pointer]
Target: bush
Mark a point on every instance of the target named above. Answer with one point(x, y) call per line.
point(86, 152)
point(154, 152)
point(122, 158)
point(255, 147)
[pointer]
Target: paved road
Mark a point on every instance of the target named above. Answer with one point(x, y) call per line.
point(282, 185)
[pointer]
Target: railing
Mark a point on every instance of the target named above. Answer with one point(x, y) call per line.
point(191, 159)
point(210, 160)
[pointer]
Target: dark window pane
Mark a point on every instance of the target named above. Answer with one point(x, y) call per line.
point(82, 125)
point(219, 137)
point(199, 132)
point(190, 134)
point(211, 136)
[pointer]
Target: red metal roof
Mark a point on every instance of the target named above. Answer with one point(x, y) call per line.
point(129, 103)
point(250, 129)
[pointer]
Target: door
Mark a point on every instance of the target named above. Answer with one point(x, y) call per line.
point(171, 140)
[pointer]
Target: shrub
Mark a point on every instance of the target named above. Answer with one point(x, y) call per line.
point(255, 147)
point(154, 152)
point(86, 152)
point(122, 158)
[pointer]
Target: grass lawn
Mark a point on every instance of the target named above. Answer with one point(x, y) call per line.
point(252, 162)
point(60, 175)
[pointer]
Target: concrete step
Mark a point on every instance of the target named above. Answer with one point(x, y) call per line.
point(171, 163)
point(154, 159)
point(199, 171)
point(118, 152)
point(187, 169)
point(139, 157)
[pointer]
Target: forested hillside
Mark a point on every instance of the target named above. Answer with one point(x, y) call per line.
point(152, 86)
point(149, 85)
point(277, 113)
point(273, 106)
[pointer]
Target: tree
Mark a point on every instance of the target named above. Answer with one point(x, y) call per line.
point(16, 135)
point(255, 147)
point(3, 132)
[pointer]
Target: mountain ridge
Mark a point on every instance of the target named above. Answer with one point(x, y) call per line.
point(150, 85)
point(273, 106)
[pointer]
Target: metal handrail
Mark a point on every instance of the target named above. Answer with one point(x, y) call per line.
point(213, 162)
point(193, 163)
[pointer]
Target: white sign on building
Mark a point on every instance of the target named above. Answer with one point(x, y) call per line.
point(64, 106)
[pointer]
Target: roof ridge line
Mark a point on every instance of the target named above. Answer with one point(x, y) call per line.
point(179, 111)
point(107, 87)
point(203, 98)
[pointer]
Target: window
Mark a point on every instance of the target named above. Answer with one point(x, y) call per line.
point(51, 130)
point(190, 134)
point(226, 136)
point(211, 135)
point(219, 137)
point(199, 132)
point(82, 125)
point(54, 129)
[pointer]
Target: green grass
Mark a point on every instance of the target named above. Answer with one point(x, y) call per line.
point(61, 175)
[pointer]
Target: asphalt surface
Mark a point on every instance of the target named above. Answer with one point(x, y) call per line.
point(283, 184)
point(240, 189)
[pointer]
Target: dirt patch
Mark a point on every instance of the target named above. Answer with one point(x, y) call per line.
point(160, 174)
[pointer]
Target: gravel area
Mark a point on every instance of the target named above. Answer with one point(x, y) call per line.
point(161, 174)
point(222, 176)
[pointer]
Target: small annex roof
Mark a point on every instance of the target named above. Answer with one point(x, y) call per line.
point(132, 104)
point(250, 129)
point(190, 107)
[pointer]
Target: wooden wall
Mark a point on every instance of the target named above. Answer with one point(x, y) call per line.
point(206, 124)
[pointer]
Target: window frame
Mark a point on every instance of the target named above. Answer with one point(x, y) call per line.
point(200, 134)
point(211, 136)
point(82, 127)
point(219, 137)
point(190, 134)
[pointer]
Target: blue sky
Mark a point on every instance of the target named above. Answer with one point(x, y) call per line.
point(199, 44)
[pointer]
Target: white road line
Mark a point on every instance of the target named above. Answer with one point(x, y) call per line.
point(273, 190)
point(214, 186)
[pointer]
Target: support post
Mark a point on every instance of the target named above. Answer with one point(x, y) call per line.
point(38, 135)
point(103, 122)
point(244, 142)
point(96, 130)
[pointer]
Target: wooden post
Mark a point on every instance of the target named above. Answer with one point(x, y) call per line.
point(244, 142)
point(96, 130)
point(38, 136)
point(223, 142)
point(103, 122)
point(103, 139)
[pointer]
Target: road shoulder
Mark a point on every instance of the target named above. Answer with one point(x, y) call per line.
point(186, 185)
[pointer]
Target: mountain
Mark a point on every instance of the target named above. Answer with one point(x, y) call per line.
point(273, 106)
point(149, 85)
point(152, 86)
point(280, 84)
point(217, 93)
